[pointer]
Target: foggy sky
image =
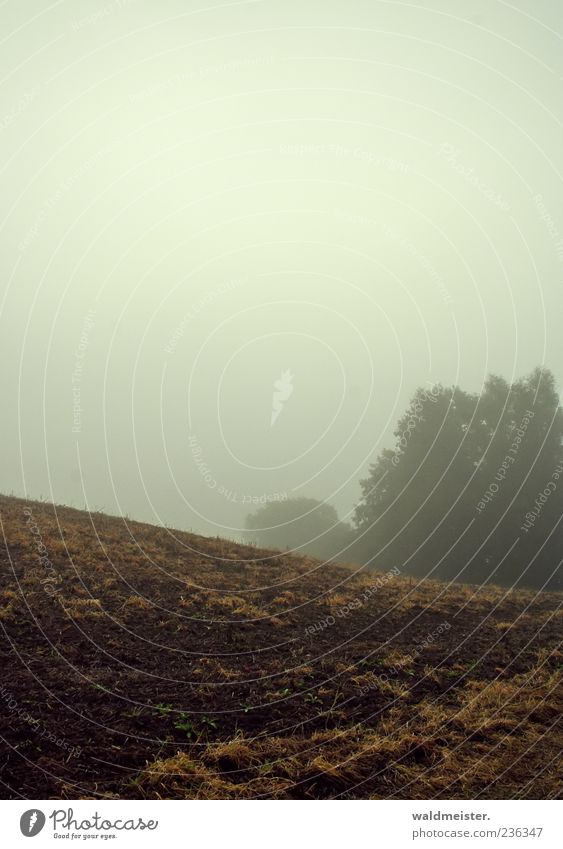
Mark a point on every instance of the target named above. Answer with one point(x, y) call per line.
point(198, 197)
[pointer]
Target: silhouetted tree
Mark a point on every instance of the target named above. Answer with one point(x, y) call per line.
point(451, 499)
point(303, 524)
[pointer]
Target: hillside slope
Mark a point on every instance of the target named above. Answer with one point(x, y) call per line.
point(143, 662)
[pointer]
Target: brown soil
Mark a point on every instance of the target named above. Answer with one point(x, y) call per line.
point(141, 662)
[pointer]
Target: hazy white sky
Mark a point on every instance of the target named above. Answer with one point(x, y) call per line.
point(198, 197)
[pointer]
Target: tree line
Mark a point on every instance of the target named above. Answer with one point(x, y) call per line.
point(471, 491)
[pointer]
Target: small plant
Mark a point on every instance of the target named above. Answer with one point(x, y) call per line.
point(188, 727)
point(371, 661)
point(163, 710)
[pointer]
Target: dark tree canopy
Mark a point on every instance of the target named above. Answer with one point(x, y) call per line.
point(303, 524)
point(473, 490)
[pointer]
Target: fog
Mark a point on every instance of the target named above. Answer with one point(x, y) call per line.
point(236, 237)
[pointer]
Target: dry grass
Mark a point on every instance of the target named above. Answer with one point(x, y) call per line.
point(486, 745)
